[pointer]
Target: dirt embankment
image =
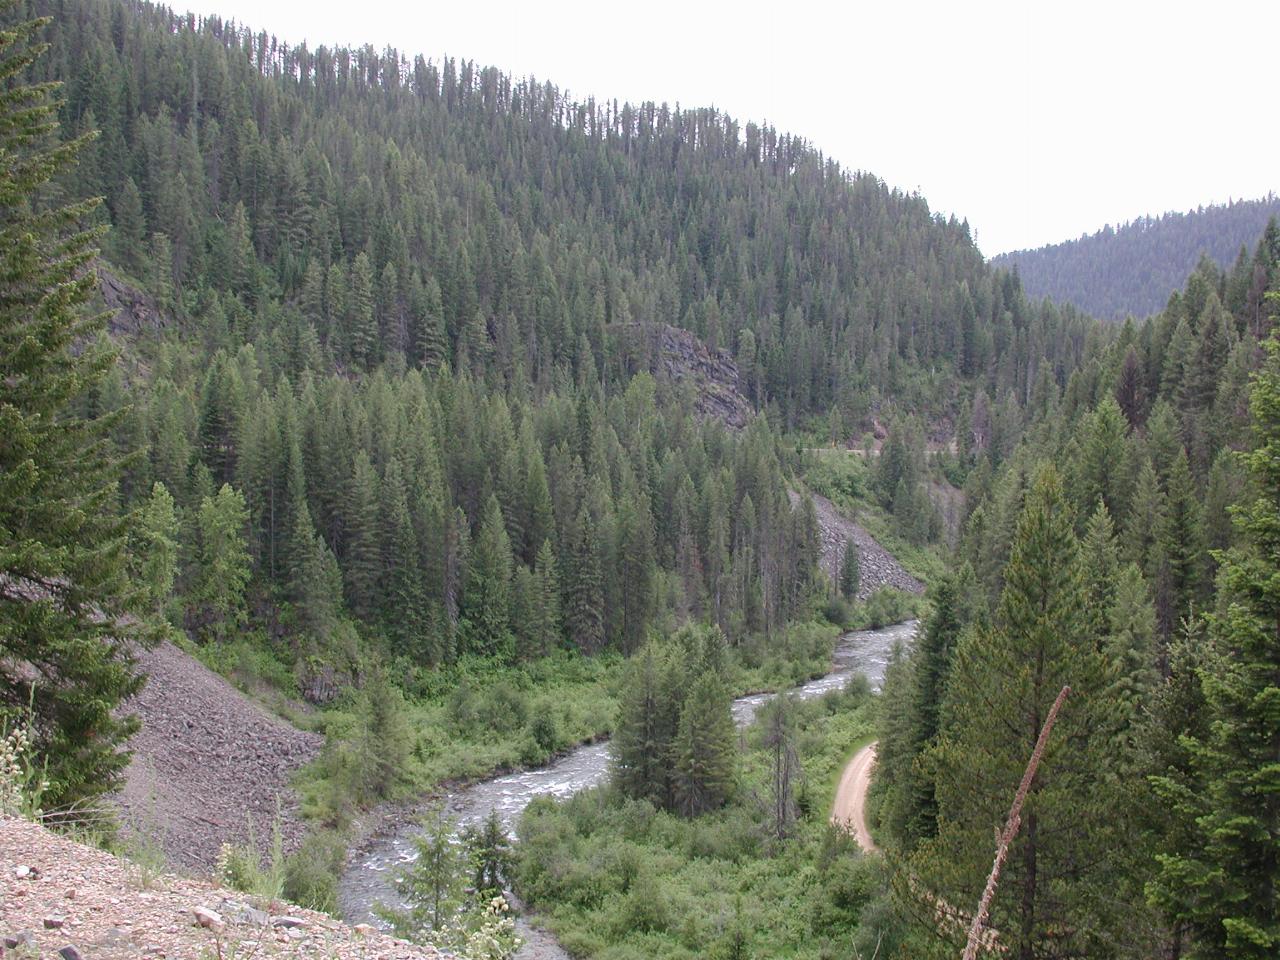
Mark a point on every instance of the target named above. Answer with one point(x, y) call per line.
point(60, 898)
point(207, 760)
point(879, 567)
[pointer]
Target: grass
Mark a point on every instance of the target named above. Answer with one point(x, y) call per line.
point(618, 880)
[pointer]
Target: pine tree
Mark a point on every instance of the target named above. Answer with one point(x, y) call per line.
point(362, 327)
point(544, 629)
point(1222, 879)
point(434, 887)
point(1057, 890)
point(704, 750)
point(644, 733)
point(485, 627)
point(222, 567)
point(432, 342)
point(156, 544)
point(584, 590)
point(363, 566)
point(404, 601)
point(65, 600)
point(635, 568)
point(1179, 582)
point(850, 571)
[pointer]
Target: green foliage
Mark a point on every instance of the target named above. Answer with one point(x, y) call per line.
point(1220, 864)
point(250, 869)
point(217, 601)
point(156, 546)
point(850, 571)
point(491, 859)
point(439, 910)
point(22, 779)
point(616, 877)
point(673, 742)
point(68, 611)
point(311, 872)
point(1076, 850)
point(703, 749)
point(884, 607)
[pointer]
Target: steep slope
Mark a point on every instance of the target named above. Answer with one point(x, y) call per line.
point(57, 894)
point(206, 760)
point(1130, 269)
point(879, 567)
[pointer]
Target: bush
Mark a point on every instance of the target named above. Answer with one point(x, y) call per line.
point(836, 611)
point(311, 872)
point(544, 729)
point(884, 607)
point(249, 869)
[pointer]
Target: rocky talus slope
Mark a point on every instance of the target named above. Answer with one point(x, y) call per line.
point(59, 898)
point(879, 567)
point(206, 761)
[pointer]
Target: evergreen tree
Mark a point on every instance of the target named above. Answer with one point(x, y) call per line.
point(362, 327)
point(156, 545)
point(1179, 583)
point(222, 566)
point(485, 626)
point(644, 733)
point(1222, 884)
point(544, 627)
point(584, 600)
point(850, 571)
point(704, 751)
point(363, 568)
point(1073, 852)
point(434, 887)
point(65, 600)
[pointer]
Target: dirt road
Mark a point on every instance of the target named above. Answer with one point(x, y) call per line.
point(851, 797)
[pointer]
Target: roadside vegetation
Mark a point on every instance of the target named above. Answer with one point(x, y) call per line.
point(763, 875)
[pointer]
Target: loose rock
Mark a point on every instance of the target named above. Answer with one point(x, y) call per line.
point(209, 919)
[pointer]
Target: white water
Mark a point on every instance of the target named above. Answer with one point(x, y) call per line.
point(370, 878)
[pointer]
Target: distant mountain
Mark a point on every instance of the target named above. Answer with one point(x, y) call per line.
point(1134, 267)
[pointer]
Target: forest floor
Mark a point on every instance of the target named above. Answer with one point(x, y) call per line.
point(850, 808)
point(207, 760)
point(57, 894)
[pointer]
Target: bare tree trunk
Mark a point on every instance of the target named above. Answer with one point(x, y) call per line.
point(1010, 831)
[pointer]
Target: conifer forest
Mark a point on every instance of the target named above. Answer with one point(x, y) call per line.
point(459, 425)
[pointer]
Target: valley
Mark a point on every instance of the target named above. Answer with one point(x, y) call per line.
point(424, 490)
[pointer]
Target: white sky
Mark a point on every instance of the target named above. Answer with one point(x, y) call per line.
point(1037, 120)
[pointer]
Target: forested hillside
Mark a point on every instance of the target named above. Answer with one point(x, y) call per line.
point(1130, 269)
point(1126, 548)
point(439, 394)
point(409, 302)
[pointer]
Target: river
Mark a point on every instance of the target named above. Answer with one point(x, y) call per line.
point(370, 877)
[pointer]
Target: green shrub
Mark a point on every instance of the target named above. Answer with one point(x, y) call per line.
point(248, 868)
point(311, 872)
point(544, 729)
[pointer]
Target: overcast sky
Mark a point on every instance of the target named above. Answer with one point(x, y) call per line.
point(1036, 120)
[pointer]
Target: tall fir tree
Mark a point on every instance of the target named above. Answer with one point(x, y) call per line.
point(66, 603)
point(1057, 890)
point(1220, 871)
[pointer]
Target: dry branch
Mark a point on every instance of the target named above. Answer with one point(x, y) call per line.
point(1010, 830)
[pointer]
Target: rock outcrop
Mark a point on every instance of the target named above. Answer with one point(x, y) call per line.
point(133, 311)
point(678, 357)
